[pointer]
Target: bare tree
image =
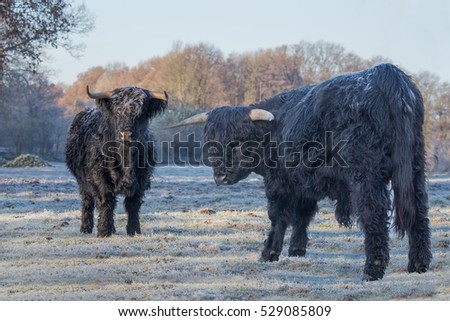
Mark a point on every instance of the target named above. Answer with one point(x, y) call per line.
point(428, 84)
point(33, 122)
point(75, 99)
point(191, 73)
point(27, 27)
point(252, 77)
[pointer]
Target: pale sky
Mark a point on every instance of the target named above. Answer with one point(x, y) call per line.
point(411, 33)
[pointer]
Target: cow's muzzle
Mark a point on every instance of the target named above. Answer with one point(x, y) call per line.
point(221, 179)
point(125, 136)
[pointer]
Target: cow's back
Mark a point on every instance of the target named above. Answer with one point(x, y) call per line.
point(355, 109)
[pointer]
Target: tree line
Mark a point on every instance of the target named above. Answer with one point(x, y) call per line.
point(200, 76)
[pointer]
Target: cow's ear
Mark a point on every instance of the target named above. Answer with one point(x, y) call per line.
point(104, 104)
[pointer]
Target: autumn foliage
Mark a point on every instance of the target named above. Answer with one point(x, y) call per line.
point(201, 77)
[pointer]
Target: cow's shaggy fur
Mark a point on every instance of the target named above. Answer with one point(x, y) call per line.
point(346, 139)
point(110, 152)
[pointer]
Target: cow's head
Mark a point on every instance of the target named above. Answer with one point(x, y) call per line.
point(129, 109)
point(233, 137)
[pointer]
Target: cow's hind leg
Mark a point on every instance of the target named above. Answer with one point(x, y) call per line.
point(105, 205)
point(299, 237)
point(372, 203)
point(132, 206)
point(273, 245)
point(419, 236)
point(87, 213)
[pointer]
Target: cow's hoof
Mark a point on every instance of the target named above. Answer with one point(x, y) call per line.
point(86, 229)
point(374, 271)
point(105, 233)
point(417, 267)
point(295, 251)
point(132, 231)
point(269, 256)
point(367, 277)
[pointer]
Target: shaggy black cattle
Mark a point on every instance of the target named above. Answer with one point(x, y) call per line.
point(110, 151)
point(346, 139)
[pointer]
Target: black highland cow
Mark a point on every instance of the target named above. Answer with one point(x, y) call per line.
point(110, 151)
point(346, 139)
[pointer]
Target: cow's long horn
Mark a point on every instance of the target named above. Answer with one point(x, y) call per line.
point(159, 95)
point(261, 114)
point(196, 119)
point(102, 95)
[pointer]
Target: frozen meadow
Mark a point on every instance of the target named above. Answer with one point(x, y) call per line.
point(199, 242)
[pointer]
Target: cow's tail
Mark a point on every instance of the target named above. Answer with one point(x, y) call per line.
point(408, 163)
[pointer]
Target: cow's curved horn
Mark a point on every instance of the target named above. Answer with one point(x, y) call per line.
point(261, 114)
point(196, 119)
point(102, 95)
point(159, 95)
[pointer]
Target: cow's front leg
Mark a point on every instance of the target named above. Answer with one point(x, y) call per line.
point(274, 242)
point(87, 212)
point(132, 205)
point(105, 205)
point(273, 245)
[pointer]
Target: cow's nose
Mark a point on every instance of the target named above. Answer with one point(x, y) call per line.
point(221, 179)
point(125, 136)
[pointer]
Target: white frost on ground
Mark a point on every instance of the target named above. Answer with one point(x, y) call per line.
point(199, 242)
